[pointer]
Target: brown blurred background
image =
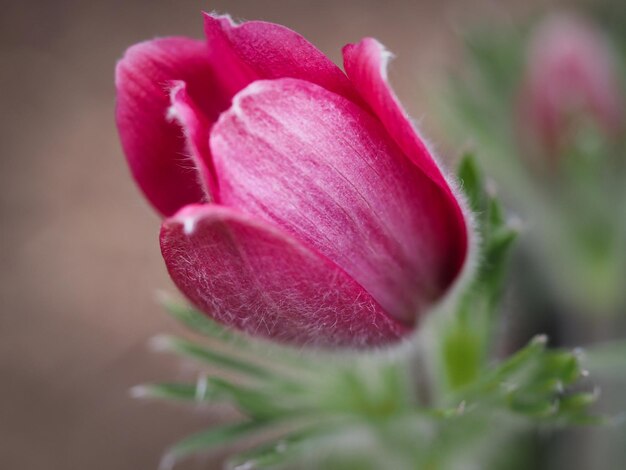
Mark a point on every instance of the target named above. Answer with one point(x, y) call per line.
point(80, 261)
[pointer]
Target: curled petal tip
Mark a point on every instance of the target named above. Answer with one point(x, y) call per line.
point(188, 217)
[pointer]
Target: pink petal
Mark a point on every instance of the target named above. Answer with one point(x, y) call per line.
point(326, 171)
point(196, 129)
point(155, 147)
point(366, 66)
point(274, 51)
point(253, 277)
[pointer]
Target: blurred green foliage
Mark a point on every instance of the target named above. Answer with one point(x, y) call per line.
point(450, 403)
point(575, 214)
point(570, 264)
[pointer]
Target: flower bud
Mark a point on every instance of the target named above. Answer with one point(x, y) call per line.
point(570, 81)
point(299, 202)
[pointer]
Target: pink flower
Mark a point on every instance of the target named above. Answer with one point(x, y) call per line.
point(570, 77)
point(299, 202)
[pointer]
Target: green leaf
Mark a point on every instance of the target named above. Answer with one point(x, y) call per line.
point(215, 438)
point(252, 348)
point(198, 322)
point(472, 182)
point(221, 360)
point(578, 401)
point(174, 391)
point(466, 339)
point(462, 354)
point(497, 236)
point(562, 365)
point(279, 452)
point(495, 378)
point(260, 403)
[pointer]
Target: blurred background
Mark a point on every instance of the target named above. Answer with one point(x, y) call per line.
point(80, 261)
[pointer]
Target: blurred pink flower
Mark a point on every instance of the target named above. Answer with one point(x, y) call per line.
point(570, 76)
point(300, 203)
